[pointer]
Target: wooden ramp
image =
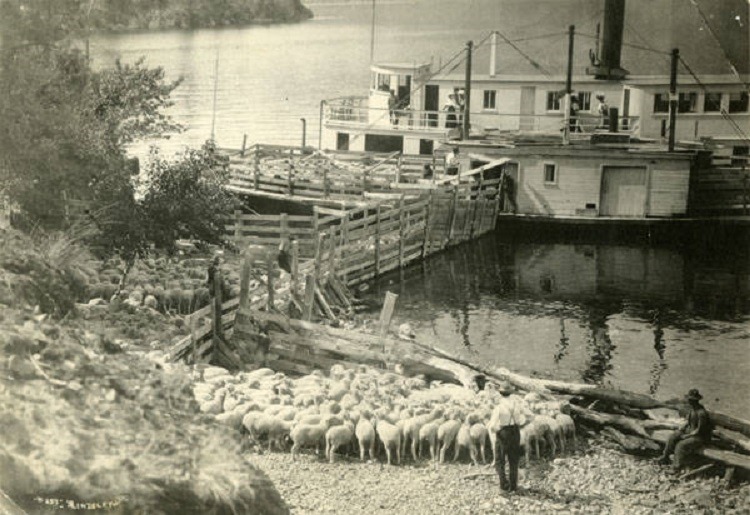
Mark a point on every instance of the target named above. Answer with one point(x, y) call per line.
point(296, 347)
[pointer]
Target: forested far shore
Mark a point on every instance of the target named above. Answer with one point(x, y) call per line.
point(120, 15)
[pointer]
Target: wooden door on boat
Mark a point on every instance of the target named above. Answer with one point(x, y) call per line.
point(528, 101)
point(623, 191)
point(432, 103)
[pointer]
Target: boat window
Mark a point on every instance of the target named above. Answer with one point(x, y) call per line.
point(687, 103)
point(661, 103)
point(712, 103)
point(553, 100)
point(490, 97)
point(584, 100)
point(738, 102)
point(550, 173)
point(384, 82)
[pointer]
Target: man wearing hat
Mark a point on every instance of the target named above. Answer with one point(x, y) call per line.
point(694, 435)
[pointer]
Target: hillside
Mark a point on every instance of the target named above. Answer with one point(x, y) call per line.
point(183, 14)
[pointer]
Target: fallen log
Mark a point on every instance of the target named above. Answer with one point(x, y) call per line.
point(593, 392)
point(728, 458)
point(630, 443)
point(626, 424)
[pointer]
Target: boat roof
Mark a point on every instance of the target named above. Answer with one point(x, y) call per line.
point(396, 67)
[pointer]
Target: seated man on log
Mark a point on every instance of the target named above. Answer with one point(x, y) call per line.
point(692, 437)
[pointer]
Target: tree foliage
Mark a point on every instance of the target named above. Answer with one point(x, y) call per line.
point(65, 128)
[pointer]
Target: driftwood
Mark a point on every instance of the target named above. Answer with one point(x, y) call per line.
point(596, 393)
point(630, 443)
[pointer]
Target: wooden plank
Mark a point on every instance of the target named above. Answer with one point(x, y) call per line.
point(389, 304)
point(309, 296)
point(324, 303)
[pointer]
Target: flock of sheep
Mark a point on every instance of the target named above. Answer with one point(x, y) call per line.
point(366, 409)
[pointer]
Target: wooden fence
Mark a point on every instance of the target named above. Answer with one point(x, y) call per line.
point(390, 233)
point(285, 171)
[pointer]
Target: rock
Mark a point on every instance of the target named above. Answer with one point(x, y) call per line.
point(21, 367)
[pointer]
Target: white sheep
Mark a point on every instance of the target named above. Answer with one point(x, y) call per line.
point(413, 426)
point(390, 435)
point(479, 434)
point(568, 427)
point(365, 433)
point(306, 435)
point(447, 433)
point(429, 433)
point(338, 436)
point(464, 441)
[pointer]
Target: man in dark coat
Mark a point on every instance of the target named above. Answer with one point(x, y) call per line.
point(690, 438)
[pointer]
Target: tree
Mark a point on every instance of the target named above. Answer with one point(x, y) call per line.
point(64, 129)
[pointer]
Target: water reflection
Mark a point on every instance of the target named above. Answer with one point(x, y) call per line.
point(654, 319)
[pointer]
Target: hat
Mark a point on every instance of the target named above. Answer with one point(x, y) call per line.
point(600, 97)
point(693, 395)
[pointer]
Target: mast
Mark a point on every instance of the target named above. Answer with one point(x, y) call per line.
point(568, 86)
point(467, 92)
point(673, 97)
point(372, 35)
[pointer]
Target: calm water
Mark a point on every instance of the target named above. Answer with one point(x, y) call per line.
point(656, 320)
point(651, 320)
point(270, 77)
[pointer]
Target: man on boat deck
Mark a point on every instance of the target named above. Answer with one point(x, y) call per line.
point(693, 436)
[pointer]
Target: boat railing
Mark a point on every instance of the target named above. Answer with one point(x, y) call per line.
point(354, 112)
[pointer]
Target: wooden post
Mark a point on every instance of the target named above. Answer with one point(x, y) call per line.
point(386, 314)
point(284, 229)
point(290, 180)
point(454, 202)
point(295, 269)
point(398, 167)
point(364, 181)
point(244, 145)
point(247, 266)
point(309, 297)
point(434, 171)
point(426, 238)
point(326, 183)
point(270, 273)
point(401, 231)
point(256, 166)
point(481, 215)
point(237, 226)
point(217, 327)
point(377, 241)
point(344, 243)
point(332, 251)
point(318, 251)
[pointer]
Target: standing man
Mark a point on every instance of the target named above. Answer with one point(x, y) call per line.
point(392, 107)
point(693, 436)
point(452, 162)
point(603, 110)
point(507, 417)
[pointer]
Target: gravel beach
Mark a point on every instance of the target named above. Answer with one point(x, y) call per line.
point(596, 480)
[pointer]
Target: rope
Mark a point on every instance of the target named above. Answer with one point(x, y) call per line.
point(716, 38)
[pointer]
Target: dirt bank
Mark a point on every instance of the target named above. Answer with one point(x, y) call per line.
point(594, 480)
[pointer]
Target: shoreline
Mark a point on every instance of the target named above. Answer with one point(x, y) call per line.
point(595, 479)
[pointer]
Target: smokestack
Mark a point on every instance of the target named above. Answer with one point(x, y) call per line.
point(607, 65)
